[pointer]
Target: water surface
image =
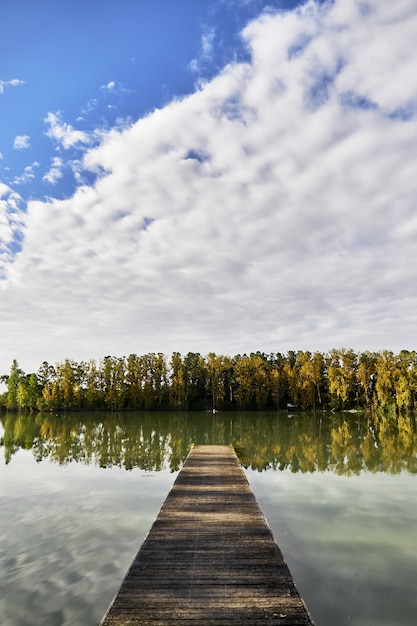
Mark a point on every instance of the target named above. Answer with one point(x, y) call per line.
point(78, 494)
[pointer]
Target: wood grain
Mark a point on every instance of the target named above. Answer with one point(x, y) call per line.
point(210, 558)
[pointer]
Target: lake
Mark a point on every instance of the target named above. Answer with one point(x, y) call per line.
point(79, 492)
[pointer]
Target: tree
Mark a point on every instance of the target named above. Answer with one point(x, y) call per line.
point(93, 394)
point(387, 374)
point(253, 380)
point(195, 380)
point(305, 380)
point(216, 366)
point(45, 374)
point(367, 377)
point(15, 377)
point(159, 378)
point(244, 382)
point(405, 383)
point(69, 384)
point(135, 380)
point(278, 382)
point(342, 379)
point(113, 381)
point(177, 387)
point(27, 393)
point(155, 388)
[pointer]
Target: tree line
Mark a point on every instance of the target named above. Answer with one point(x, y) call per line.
point(340, 379)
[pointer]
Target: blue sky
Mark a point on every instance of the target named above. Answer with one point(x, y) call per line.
point(214, 175)
point(98, 64)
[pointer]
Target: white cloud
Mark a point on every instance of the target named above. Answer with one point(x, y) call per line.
point(207, 41)
point(114, 88)
point(272, 209)
point(206, 51)
point(27, 176)
point(21, 142)
point(11, 226)
point(55, 173)
point(88, 108)
point(15, 82)
point(109, 87)
point(64, 134)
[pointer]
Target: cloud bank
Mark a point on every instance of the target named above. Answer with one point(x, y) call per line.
point(273, 209)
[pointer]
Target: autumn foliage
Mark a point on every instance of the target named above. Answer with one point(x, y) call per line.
point(339, 380)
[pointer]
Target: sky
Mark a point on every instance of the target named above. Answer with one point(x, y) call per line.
point(215, 176)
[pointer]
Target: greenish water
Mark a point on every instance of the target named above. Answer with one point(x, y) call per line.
point(78, 493)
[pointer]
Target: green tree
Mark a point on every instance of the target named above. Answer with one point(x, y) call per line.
point(68, 379)
point(155, 388)
point(27, 393)
point(159, 379)
point(195, 380)
point(113, 382)
point(278, 382)
point(135, 380)
point(177, 388)
point(45, 374)
point(244, 382)
point(15, 377)
point(93, 393)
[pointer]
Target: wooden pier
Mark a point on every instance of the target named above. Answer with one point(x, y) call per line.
point(210, 558)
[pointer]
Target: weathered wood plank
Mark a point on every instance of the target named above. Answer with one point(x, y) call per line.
point(210, 558)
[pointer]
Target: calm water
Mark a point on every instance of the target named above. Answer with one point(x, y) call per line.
point(78, 494)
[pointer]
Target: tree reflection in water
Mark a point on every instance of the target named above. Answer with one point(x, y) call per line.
point(345, 444)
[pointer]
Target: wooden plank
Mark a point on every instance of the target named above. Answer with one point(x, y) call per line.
point(210, 558)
